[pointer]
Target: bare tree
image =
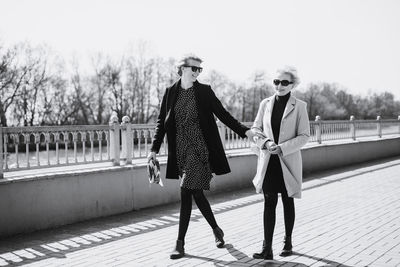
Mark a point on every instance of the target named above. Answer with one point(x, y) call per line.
point(80, 95)
point(139, 80)
point(258, 89)
point(99, 90)
point(28, 103)
point(164, 75)
point(13, 75)
point(113, 81)
point(225, 90)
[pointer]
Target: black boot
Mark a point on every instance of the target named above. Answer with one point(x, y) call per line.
point(266, 252)
point(287, 248)
point(179, 251)
point(219, 237)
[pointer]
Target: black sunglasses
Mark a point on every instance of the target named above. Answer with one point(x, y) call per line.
point(283, 82)
point(194, 68)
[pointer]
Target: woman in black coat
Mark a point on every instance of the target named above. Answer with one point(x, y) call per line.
point(195, 149)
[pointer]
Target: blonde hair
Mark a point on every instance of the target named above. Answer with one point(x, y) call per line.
point(292, 72)
point(184, 60)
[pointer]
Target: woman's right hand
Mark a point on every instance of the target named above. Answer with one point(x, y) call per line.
point(250, 134)
point(152, 155)
point(268, 145)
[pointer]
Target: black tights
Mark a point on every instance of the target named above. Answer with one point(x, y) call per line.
point(186, 210)
point(270, 202)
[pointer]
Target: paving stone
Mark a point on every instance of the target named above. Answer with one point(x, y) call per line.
point(347, 217)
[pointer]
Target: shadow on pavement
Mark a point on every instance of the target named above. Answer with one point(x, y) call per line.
point(241, 259)
point(329, 263)
point(56, 243)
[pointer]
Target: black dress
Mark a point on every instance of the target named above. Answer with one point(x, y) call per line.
point(273, 180)
point(191, 149)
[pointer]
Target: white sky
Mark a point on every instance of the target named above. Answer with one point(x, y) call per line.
point(355, 43)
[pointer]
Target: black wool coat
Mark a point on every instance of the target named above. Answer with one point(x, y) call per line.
point(208, 105)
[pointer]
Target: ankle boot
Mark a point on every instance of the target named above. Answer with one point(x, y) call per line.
point(266, 252)
point(287, 248)
point(179, 250)
point(219, 237)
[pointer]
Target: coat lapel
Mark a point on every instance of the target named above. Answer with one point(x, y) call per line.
point(199, 106)
point(197, 94)
point(289, 107)
point(270, 106)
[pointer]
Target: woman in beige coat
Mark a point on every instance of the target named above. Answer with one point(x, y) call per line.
point(282, 128)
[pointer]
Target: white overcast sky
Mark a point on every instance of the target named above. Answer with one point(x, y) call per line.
point(355, 43)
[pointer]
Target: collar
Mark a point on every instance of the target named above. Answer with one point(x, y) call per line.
point(283, 98)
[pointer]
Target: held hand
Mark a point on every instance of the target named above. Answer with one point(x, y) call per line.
point(268, 144)
point(275, 149)
point(152, 155)
point(250, 134)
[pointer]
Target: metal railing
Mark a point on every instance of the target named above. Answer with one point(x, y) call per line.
point(49, 146)
point(352, 129)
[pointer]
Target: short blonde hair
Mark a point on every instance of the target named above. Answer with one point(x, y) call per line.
point(292, 72)
point(184, 60)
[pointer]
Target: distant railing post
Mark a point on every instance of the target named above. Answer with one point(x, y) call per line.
point(47, 140)
point(126, 135)
point(318, 127)
point(221, 130)
point(352, 127)
point(26, 141)
point(37, 143)
point(15, 138)
point(398, 118)
point(379, 126)
point(83, 136)
point(1, 152)
point(100, 140)
point(114, 140)
point(57, 140)
point(75, 140)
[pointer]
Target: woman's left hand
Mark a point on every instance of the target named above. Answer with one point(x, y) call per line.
point(275, 149)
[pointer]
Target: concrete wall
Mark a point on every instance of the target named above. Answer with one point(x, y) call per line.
point(52, 200)
point(328, 156)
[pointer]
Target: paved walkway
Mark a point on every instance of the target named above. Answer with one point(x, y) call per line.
point(347, 217)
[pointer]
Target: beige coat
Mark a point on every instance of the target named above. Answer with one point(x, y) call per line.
point(294, 134)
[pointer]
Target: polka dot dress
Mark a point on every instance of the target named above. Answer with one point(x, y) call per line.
point(191, 149)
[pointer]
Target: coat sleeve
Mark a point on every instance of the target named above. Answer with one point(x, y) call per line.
point(302, 133)
point(160, 129)
point(224, 116)
point(258, 127)
point(258, 122)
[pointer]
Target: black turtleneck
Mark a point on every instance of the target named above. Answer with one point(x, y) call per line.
point(277, 113)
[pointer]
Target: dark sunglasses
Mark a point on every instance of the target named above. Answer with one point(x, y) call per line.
point(194, 68)
point(283, 82)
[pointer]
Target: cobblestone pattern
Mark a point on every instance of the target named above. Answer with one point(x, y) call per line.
point(347, 217)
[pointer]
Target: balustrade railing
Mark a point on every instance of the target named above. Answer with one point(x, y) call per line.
point(40, 146)
point(47, 146)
